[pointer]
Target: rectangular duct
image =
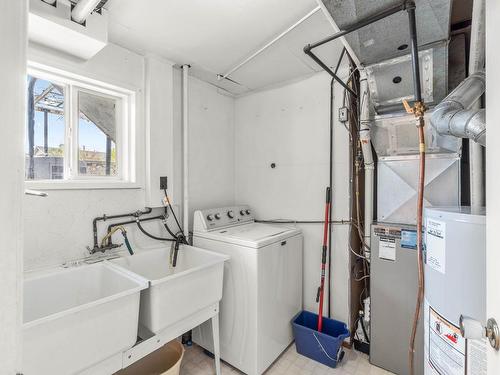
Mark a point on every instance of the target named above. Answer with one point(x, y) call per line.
point(52, 26)
point(391, 81)
point(395, 140)
point(389, 37)
point(397, 186)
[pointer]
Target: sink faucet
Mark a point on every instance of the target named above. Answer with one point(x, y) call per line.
point(125, 238)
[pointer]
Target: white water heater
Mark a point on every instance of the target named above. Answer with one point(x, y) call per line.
point(455, 284)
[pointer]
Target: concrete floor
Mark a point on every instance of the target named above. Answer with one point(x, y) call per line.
point(290, 363)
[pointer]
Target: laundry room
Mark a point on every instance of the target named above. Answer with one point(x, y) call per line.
point(249, 187)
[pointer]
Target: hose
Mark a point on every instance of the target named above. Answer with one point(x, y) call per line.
point(152, 236)
point(127, 243)
point(167, 227)
point(172, 210)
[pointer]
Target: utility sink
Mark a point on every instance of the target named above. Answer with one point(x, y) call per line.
point(77, 317)
point(176, 293)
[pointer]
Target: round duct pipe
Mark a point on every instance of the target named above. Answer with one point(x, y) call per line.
point(83, 9)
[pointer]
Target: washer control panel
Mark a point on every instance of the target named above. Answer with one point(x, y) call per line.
point(214, 218)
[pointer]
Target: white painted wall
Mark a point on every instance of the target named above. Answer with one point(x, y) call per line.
point(492, 175)
point(290, 127)
point(159, 128)
point(211, 147)
point(59, 227)
point(13, 31)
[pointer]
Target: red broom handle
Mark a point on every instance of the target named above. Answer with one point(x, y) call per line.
point(323, 260)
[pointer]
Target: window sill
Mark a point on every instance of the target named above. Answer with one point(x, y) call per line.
point(81, 185)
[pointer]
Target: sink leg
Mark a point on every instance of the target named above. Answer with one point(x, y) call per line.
point(215, 334)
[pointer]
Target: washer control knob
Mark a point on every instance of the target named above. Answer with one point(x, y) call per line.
point(210, 217)
point(247, 212)
point(230, 214)
point(217, 216)
point(242, 212)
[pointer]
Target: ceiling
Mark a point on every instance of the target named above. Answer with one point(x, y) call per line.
point(214, 36)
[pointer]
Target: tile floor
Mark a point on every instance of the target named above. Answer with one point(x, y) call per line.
point(290, 363)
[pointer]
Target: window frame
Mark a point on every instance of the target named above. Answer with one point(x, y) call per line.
point(125, 132)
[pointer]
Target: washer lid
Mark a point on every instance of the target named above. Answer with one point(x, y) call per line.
point(253, 235)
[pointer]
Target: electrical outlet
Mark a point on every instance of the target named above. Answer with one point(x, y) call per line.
point(343, 114)
point(163, 183)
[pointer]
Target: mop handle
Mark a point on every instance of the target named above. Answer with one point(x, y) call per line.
point(323, 259)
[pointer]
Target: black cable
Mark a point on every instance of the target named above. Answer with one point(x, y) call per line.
point(329, 308)
point(152, 236)
point(172, 210)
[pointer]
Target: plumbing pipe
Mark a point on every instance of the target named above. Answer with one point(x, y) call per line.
point(418, 110)
point(268, 44)
point(454, 116)
point(148, 210)
point(366, 147)
point(476, 64)
point(185, 148)
point(83, 9)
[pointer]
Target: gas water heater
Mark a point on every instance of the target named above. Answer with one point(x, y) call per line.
point(455, 285)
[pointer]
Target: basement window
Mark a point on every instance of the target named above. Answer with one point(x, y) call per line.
point(79, 132)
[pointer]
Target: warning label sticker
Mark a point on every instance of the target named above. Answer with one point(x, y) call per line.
point(436, 245)
point(387, 248)
point(447, 348)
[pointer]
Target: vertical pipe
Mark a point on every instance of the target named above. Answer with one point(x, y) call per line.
point(185, 149)
point(414, 54)
point(108, 156)
point(418, 110)
point(476, 63)
point(46, 132)
point(366, 147)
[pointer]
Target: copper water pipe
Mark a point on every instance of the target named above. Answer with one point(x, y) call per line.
point(420, 208)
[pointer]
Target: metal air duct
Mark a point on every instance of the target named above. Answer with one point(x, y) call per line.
point(453, 115)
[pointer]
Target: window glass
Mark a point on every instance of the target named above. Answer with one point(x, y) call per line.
point(97, 154)
point(44, 149)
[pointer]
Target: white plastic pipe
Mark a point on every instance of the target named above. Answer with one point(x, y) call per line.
point(476, 63)
point(185, 149)
point(83, 9)
point(366, 148)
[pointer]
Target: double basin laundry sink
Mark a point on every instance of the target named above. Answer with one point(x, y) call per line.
point(77, 317)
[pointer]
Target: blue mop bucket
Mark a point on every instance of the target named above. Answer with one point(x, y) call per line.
point(324, 347)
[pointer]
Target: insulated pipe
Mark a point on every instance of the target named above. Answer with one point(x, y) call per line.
point(185, 149)
point(83, 9)
point(366, 148)
point(476, 64)
point(454, 116)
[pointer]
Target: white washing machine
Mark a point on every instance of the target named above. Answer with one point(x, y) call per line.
point(262, 286)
